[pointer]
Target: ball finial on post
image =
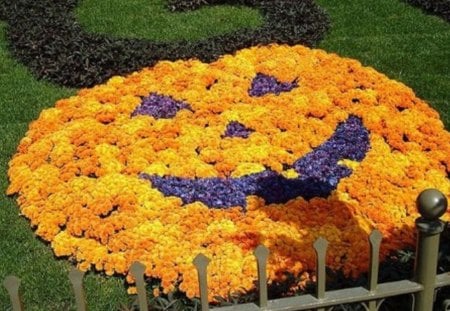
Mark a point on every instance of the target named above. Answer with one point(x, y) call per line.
point(431, 204)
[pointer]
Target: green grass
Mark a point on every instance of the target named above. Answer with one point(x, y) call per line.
point(388, 35)
point(21, 99)
point(151, 19)
point(398, 40)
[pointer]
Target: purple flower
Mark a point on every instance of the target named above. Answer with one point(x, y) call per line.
point(237, 129)
point(349, 141)
point(160, 107)
point(264, 84)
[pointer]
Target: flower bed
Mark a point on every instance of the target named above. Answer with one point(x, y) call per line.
point(274, 145)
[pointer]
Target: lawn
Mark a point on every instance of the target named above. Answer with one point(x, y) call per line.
point(130, 19)
point(389, 35)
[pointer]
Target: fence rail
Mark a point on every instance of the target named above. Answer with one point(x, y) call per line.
point(431, 203)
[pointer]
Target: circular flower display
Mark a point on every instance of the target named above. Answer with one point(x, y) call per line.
point(274, 145)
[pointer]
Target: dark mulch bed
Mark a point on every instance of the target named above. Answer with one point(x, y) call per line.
point(438, 7)
point(45, 36)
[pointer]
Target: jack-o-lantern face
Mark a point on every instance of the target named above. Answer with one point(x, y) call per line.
point(275, 145)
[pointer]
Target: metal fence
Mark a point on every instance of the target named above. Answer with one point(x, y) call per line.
point(431, 203)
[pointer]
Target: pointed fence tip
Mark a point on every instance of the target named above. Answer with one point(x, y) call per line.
point(375, 237)
point(261, 252)
point(75, 275)
point(74, 272)
point(137, 269)
point(320, 244)
point(11, 282)
point(201, 260)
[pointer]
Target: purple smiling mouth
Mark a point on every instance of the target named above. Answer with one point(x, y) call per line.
point(319, 174)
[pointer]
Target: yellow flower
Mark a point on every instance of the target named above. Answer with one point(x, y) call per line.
point(247, 168)
point(290, 173)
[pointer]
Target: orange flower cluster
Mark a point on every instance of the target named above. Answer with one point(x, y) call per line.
point(76, 170)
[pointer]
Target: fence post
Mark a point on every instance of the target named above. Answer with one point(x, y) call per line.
point(432, 204)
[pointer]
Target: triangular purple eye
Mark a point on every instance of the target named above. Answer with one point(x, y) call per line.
point(237, 129)
point(263, 84)
point(160, 106)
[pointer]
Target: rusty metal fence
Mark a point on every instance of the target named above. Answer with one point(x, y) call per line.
point(431, 203)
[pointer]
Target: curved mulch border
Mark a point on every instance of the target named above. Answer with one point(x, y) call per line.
point(45, 36)
point(437, 7)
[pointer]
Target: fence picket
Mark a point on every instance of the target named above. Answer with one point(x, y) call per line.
point(12, 284)
point(320, 246)
point(137, 269)
point(201, 264)
point(375, 242)
point(262, 254)
point(76, 278)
